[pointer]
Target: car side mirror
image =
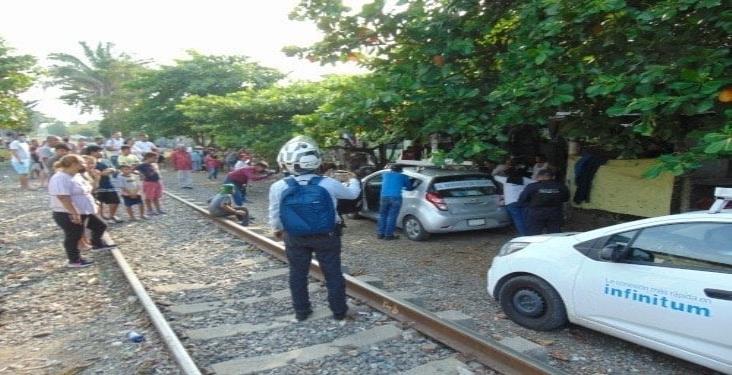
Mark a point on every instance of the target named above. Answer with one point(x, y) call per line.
point(613, 253)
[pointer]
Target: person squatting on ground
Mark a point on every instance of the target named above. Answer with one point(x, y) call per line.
point(130, 186)
point(222, 205)
point(302, 212)
point(543, 201)
point(180, 160)
point(393, 183)
point(73, 205)
point(241, 177)
point(513, 184)
point(107, 193)
point(21, 159)
point(152, 187)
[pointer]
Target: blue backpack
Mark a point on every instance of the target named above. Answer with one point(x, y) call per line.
point(307, 210)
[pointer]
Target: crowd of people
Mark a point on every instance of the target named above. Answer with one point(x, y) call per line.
point(88, 182)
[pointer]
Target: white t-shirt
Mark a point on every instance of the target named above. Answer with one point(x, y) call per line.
point(142, 147)
point(538, 167)
point(130, 184)
point(241, 164)
point(74, 186)
point(23, 150)
point(115, 145)
point(511, 192)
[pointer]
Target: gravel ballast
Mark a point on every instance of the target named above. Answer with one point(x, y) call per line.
point(448, 272)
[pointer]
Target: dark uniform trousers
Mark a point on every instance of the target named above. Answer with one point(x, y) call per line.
point(327, 249)
point(538, 218)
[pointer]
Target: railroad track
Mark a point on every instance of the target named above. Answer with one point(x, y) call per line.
point(249, 326)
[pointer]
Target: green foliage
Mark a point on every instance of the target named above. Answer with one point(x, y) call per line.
point(260, 120)
point(160, 91)
point(95, 81)
point(628, 73)
point(58, 128)
point(17, 73)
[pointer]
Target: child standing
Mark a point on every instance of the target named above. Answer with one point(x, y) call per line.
point(152, 188)
point(130, 185)
point(212, 166)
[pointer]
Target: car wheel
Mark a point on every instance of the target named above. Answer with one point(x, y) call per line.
point(413, 229)
point(533, 303)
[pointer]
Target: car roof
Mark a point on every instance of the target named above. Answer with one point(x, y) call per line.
point(439, 172)
point(695, 216)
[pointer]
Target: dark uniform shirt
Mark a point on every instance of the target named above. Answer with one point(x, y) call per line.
point(549, 193)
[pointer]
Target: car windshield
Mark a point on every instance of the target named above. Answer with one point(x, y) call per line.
point(464, 186)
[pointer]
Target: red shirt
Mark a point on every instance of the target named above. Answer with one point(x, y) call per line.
point(244, 175)
point(181, 161)
point(211, 162)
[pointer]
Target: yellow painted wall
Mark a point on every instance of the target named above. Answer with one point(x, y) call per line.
point(618, 187)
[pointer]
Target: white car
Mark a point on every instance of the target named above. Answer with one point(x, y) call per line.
point(664, 282)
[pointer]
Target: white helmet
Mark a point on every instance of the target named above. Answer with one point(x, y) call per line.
point(299, 154)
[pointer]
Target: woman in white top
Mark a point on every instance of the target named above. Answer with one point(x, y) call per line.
point(514, 183)
point(72, 204)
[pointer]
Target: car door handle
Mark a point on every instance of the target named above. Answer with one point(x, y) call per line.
point(719, 294)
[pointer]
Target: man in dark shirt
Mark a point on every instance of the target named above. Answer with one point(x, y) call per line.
point(543, 201)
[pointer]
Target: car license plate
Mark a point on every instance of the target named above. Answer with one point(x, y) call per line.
point(476, 222)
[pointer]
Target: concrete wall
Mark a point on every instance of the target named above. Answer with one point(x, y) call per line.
point(618, 187)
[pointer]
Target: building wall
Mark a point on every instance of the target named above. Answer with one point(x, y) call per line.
point(618, 187)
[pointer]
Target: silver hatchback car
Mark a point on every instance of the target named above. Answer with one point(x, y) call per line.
point(441, 201)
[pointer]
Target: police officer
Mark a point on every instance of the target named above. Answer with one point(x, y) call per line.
point(301, 158)
point(543, 201)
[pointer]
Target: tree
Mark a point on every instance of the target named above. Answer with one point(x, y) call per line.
point(17, 73)
point(58, 128)
point(261, 120)
point(162, 90)
point(94, 82)
point(476, 70)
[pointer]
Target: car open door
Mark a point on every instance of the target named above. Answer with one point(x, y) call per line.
point(668, 287)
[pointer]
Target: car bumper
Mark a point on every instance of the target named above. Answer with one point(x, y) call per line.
point(435, 223)
point(494, 275)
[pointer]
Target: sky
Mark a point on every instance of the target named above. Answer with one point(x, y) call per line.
point(160, 30)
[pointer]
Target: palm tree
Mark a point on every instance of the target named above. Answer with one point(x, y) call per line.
point(93, 82)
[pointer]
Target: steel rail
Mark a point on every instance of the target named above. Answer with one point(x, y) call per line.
point(483, 349)
point(171, 340)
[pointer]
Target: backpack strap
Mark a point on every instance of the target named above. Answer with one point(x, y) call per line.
point(291, 181)
point(315, 180)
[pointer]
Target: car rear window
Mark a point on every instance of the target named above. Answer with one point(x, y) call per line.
point(464, 186)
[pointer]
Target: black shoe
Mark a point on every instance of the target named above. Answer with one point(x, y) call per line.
point(300, 316)
point(390, 238)
point(380, 236)
point(348, 314)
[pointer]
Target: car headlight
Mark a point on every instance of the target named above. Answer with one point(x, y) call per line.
point(512, 247)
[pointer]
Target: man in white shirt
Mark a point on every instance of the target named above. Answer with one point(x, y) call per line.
point(113, 146)
point(143, 146)
point(317, 236)
point(21, 159)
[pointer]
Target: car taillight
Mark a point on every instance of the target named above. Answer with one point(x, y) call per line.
point(436, 199)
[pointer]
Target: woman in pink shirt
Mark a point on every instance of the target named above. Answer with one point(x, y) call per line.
point(73, 205)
